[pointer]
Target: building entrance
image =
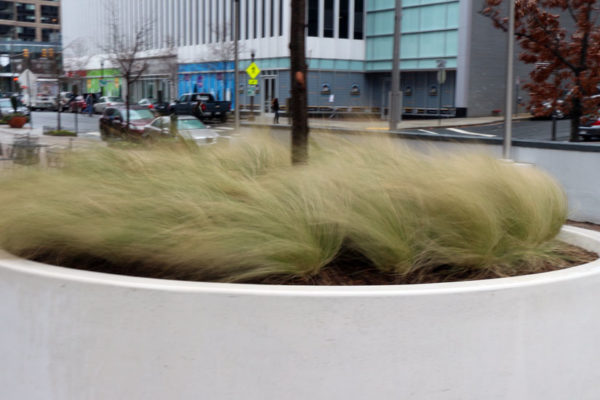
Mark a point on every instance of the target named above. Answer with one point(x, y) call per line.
point(269, 92)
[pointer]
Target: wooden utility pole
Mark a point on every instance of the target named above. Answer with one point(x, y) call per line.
point(298, 103)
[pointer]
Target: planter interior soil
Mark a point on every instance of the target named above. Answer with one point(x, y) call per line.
point(348, 268)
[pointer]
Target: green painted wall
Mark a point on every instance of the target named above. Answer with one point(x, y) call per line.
point(112, 78)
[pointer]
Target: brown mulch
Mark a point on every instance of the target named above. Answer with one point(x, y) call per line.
point(348, 269)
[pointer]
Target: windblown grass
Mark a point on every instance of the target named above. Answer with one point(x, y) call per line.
point(242, 213)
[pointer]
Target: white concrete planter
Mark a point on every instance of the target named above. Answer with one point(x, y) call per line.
point(70, 334)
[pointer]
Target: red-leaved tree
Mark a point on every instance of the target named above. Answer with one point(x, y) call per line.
point(562, 39)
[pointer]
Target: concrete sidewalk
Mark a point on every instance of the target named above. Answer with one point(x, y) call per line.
point(380, 125)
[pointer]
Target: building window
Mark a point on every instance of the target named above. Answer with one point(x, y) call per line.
point(358, 19)
point(218, 28)
point(210, 21)
point(328, 19)
point(255, 4)
point(344, 19)
point(7, 10)
point(313, 17)
point(26, 34)
point(204, 18)
point(263, 31)
point(25, 12)
point(199, 24)
point(50, 35)
point(247, 23)
point(272, 18)
point(6, 32)
point(280, 17)
point(49, 15)
point(232, 22)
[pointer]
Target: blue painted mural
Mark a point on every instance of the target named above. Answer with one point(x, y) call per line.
point(210, 77)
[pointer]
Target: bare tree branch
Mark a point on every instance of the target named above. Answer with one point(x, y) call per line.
point(124, 52)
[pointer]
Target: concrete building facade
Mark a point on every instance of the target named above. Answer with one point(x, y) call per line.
point(349, 51)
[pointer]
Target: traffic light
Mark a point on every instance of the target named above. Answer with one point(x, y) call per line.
point(44, 53)
point(16, 79)
point(51, 52)
point(26, 53)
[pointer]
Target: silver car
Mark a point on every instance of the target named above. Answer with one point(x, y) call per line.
point(107, 101)
point(186, 127)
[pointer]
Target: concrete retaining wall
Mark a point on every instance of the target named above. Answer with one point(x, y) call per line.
point(575, 166)
point(70, 334)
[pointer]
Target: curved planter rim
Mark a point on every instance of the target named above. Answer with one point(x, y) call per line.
point(585, 238)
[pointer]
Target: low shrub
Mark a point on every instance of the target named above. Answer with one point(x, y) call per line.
point(243, 213)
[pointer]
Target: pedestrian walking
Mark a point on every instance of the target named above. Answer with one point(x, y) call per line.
point(89, 101)
point(275, 108)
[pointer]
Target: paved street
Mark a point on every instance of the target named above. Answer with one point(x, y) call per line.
point(521, 129)
point(85, 123)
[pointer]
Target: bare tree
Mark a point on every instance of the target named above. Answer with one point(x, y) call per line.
point(125, 52)
point(172, 64)
point(298, 79)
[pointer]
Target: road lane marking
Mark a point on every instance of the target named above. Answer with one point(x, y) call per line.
point(227, 128)
point(430, 132)
point(469, 133)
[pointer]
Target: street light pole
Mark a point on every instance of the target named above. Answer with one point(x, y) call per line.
point(509, 81)
point(236, 34)
point(395, 113)
point(252, 97)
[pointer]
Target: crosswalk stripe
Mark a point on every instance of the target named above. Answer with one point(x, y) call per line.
point(469, 133)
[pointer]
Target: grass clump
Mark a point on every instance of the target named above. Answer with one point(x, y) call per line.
point(242, 213)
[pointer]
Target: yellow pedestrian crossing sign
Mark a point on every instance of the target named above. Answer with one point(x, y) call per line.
point(253, 70)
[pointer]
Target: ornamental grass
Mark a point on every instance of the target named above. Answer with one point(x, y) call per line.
point(242, 213)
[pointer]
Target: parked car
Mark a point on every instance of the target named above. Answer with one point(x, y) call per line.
point(113, 122)
point(186, 127)
point(158, 107)
point(77, 104)
point(107, 101)
point(590, 130)
point(201, 105)
point(65, 99)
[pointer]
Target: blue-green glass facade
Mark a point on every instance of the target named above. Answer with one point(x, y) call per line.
point(429, 33)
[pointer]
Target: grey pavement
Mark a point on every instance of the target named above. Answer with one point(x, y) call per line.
point(378, 125)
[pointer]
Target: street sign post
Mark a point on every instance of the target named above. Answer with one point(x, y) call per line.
point(253, 70)
point(441, 78)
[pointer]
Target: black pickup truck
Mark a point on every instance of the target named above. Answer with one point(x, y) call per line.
point(202, 106)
